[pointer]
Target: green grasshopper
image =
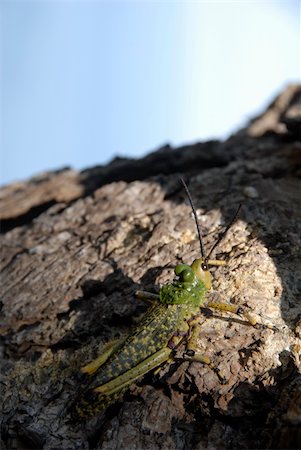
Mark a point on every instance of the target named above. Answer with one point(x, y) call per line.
point(169, 321)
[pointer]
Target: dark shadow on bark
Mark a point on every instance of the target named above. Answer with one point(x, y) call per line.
point(218, 175)
point(23, 219)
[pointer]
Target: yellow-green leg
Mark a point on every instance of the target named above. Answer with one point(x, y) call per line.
point(113, 345)
point(97, 399)
point(148, 296)
point(198, 357)
point(234, 309)
point(127, 378)
point(108, 349)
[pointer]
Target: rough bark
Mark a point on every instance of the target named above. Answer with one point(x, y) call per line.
point(76, 246)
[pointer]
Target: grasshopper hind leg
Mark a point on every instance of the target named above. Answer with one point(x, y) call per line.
point(113, 345)
point(122, 381)
point(97, 399)
point(108, 349)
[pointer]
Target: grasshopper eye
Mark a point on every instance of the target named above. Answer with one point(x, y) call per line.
point(205, 267)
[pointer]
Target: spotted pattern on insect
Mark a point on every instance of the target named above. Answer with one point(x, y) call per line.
point(142, 342)
point(156, 330)
point(152, 342)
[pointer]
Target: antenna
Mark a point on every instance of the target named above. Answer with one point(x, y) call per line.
point(195, 217)
point(224, 233)
point(206, 258)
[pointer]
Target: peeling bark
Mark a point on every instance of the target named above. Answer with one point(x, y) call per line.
point(76, 246)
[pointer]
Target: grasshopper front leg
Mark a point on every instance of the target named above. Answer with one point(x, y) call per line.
point(148, 296)
point(235, 309)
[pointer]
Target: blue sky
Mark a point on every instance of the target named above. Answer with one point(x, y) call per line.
point(84, 81)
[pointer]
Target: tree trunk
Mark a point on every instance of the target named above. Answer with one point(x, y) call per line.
point(77, 245)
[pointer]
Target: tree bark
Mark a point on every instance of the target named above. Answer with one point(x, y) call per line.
point(77, 245)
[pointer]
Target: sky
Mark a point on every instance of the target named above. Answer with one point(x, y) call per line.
point(84, 81)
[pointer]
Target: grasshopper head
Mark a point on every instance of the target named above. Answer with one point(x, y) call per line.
point(201, 271)
point(200, 268)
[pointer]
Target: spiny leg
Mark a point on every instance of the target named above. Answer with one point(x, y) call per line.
point(97, 399)
point(150, 363)
point(194, 325)
point(235, 309)
point(173, 343)
point(191, 354)
point(127, 378)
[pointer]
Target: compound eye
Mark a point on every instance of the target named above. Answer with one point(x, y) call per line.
point(205, 266)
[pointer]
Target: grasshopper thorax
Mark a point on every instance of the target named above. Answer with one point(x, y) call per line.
point(186, 289)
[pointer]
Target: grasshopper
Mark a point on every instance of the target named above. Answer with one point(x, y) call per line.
point(171, 319)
